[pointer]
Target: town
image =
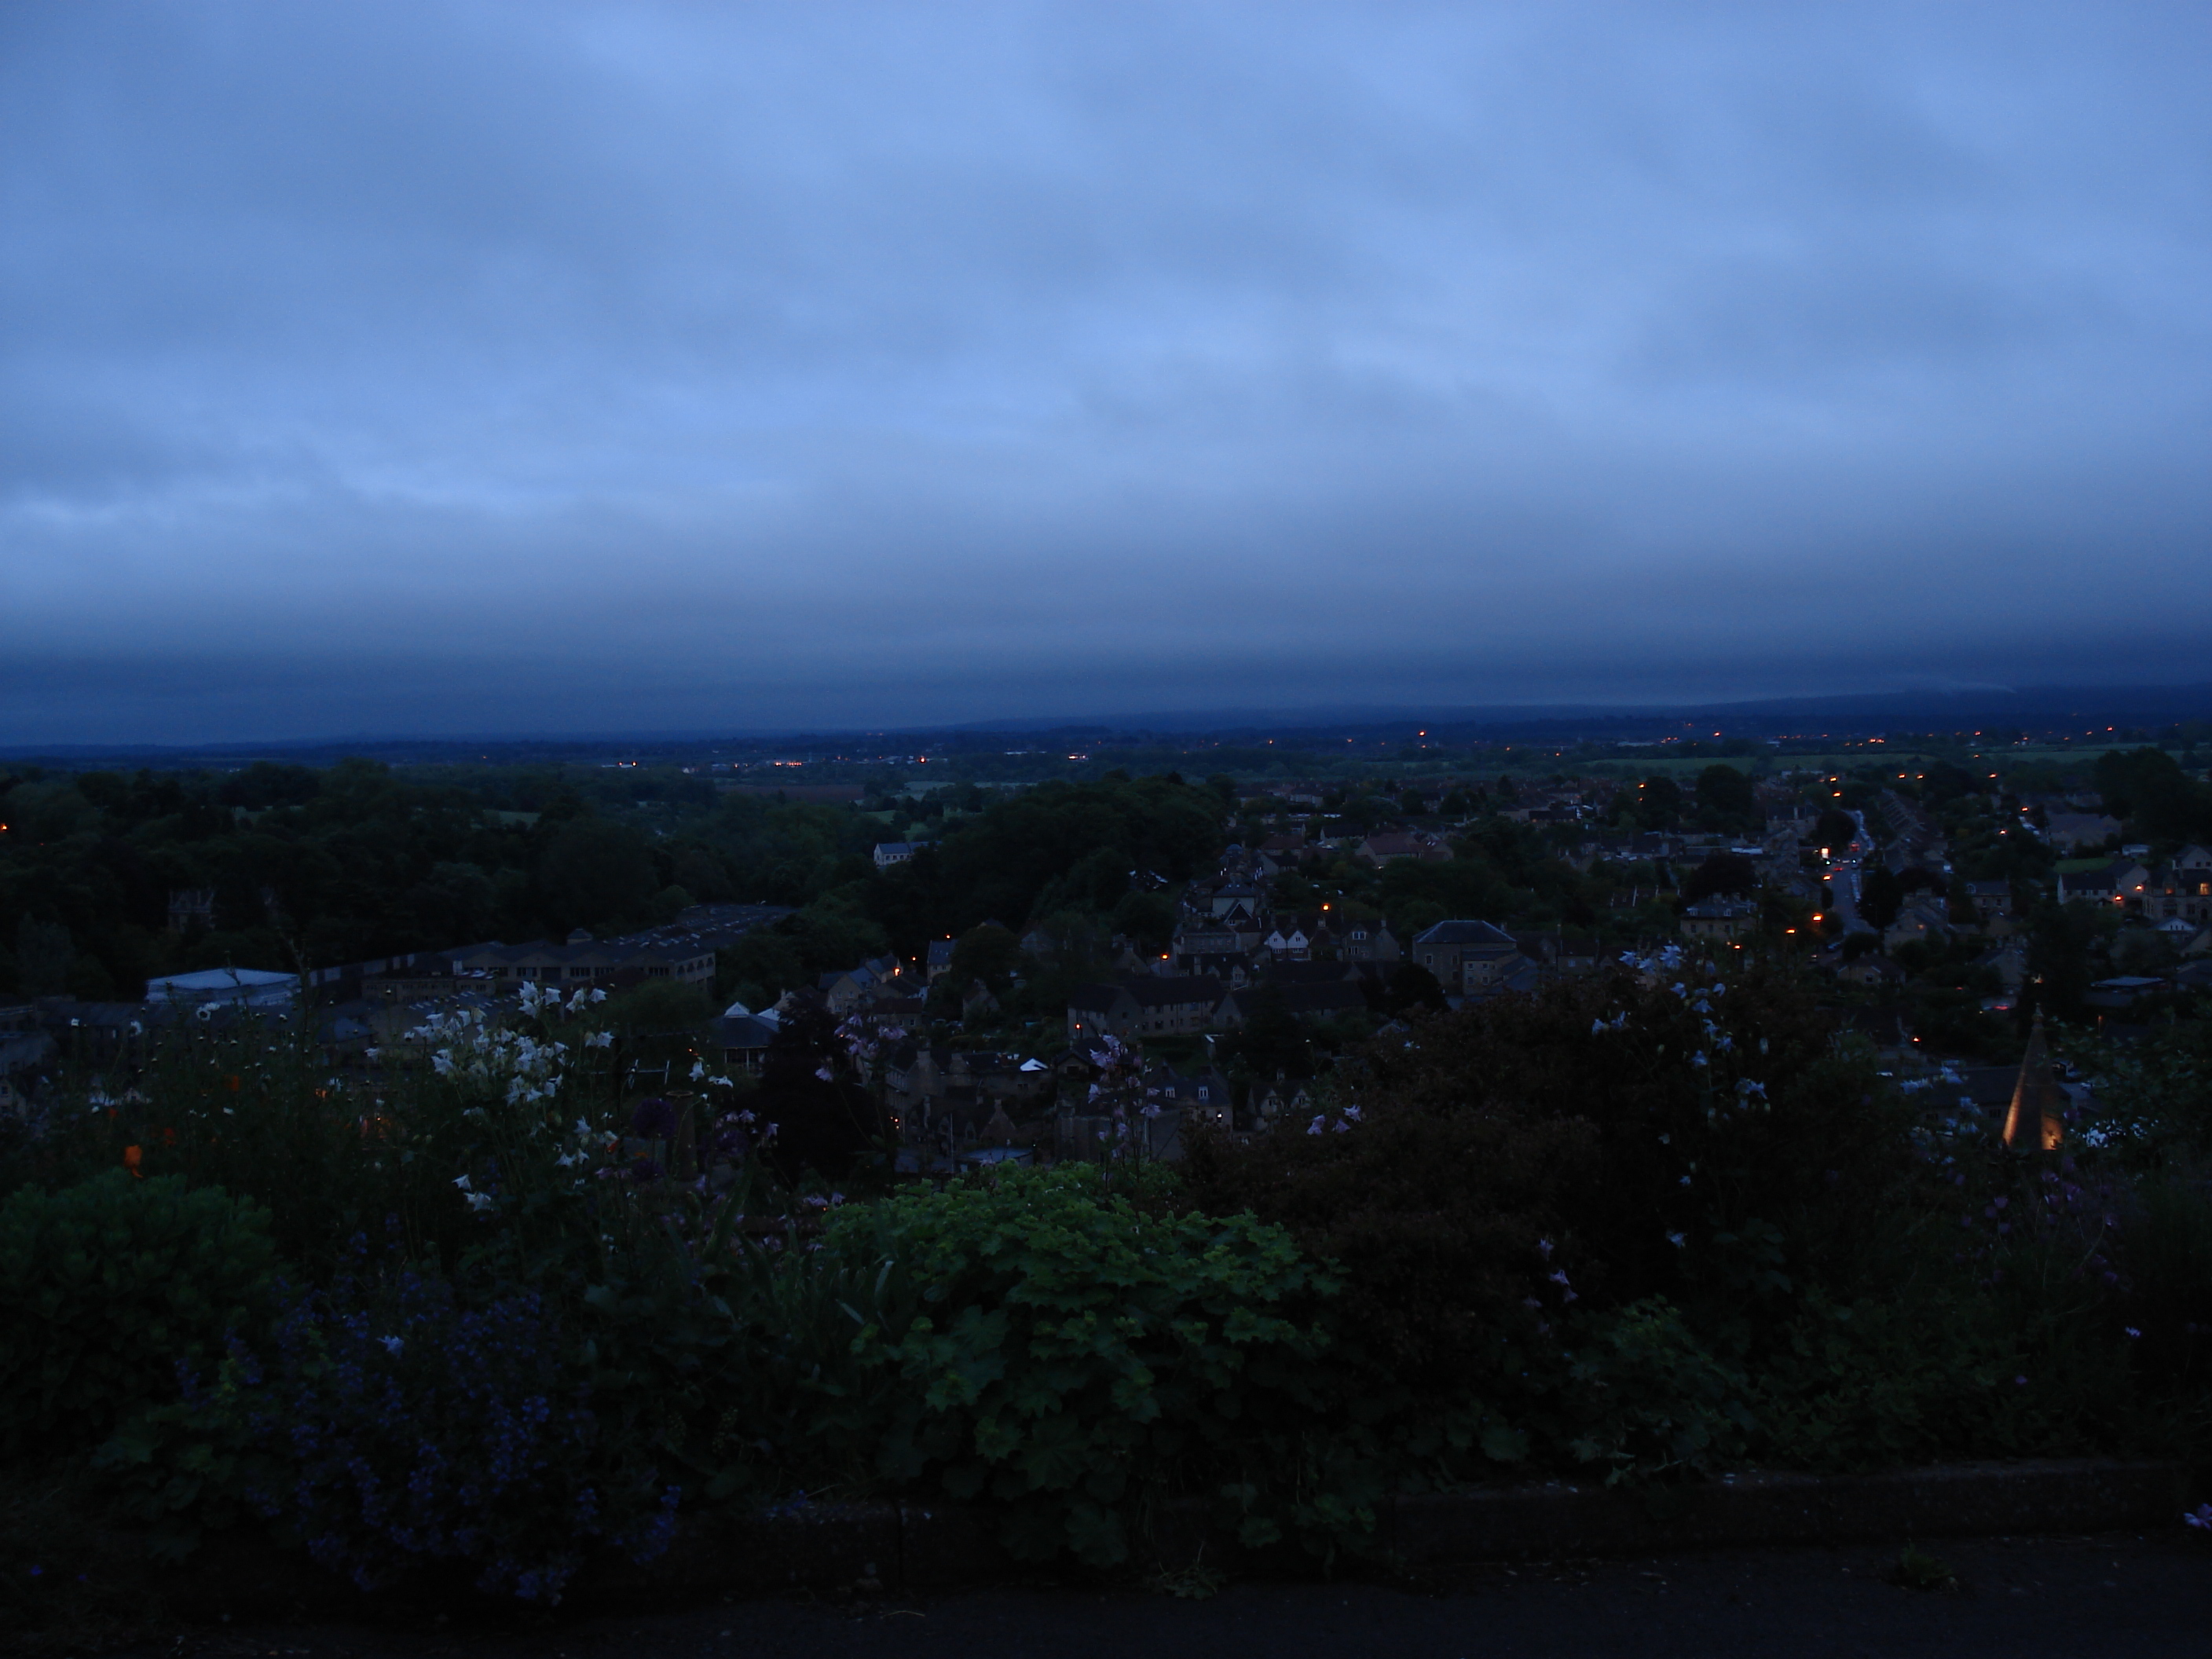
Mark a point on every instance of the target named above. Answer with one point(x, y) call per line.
point(967, 946)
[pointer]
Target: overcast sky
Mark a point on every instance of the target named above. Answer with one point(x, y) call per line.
point(376, 368)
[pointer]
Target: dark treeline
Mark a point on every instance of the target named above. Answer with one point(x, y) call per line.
point(105, 879)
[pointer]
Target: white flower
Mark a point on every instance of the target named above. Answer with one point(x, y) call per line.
point(1314, 1128)
point(1342, 1127)
point(1352, 1113)
point(462, 1181)
point(600, 1040)
point(698, 1070)
point(479, 1200)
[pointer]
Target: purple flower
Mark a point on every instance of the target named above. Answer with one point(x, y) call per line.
point(2200, 1517)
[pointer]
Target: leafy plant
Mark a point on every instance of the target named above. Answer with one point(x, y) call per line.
point(395, 1422)
point(106, 1289)
point(1076, 1360)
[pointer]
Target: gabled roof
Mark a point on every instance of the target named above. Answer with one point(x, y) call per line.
point(1465, 933)
point(1153, 992)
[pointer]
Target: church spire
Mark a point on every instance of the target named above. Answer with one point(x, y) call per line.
point(2033, 1122)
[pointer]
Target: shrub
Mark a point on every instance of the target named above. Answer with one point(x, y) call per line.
point(106, 1289)
point(1596, 1146)
point(395, 1423)
point(1075, 1359)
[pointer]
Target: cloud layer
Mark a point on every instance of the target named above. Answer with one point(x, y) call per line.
point(384, 368)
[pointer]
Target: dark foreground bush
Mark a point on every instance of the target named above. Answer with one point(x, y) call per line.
point(106, 1289)
point(1075, 1359)
point(391, 1423)
point(1487, 1175)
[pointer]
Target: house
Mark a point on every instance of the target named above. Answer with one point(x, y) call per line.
point(1201, 937)
point(1871, 970)
point(1387, 847)
point(1467, 957)
point(1145, 1006)
point(891, 854)
point(741, 1037)
point(1923, 920)
point(1515, 975)
point(1235, 895)
point(1275, 1101)
point(2074, 831)
point(843, 992)
point(1306, 1000)
point(1719, 918)
point(2115, 881)
point(1201, 1095)
point(1992, 900)
point(2010, 962)
point(937, 961)
point(1368, 941)
point(2180, 891)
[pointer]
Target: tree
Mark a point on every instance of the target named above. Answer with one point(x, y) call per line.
point(596, 873)
point(823, 1124)
point(1272, 1040)
point(987, 952)
point(1835, 828)
point(1881, 894)
point(2148, 787)
point(1726, 796)
point(1723, 873)
point(1658, 803)
point(1411, 987)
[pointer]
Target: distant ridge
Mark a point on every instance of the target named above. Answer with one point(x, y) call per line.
point(2043, 707)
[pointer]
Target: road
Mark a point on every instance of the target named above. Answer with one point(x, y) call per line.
point(2112, 1597)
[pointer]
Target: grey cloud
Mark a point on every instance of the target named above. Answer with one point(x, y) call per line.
point(885, 361)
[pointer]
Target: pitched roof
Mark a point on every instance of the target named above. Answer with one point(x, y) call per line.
point(1151, 991)
point(1464, 933)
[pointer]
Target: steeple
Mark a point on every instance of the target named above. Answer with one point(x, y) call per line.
point(2032, 1123)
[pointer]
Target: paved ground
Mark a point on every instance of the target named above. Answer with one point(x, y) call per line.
point(2108, 1598)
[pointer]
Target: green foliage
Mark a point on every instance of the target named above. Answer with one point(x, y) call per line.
point(1075, 1359)
point(1726, 799)
point(1629, 1138)
point(1916, 1569)
point(1058, 847)
point(106, 1289)
point(2148, 788)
